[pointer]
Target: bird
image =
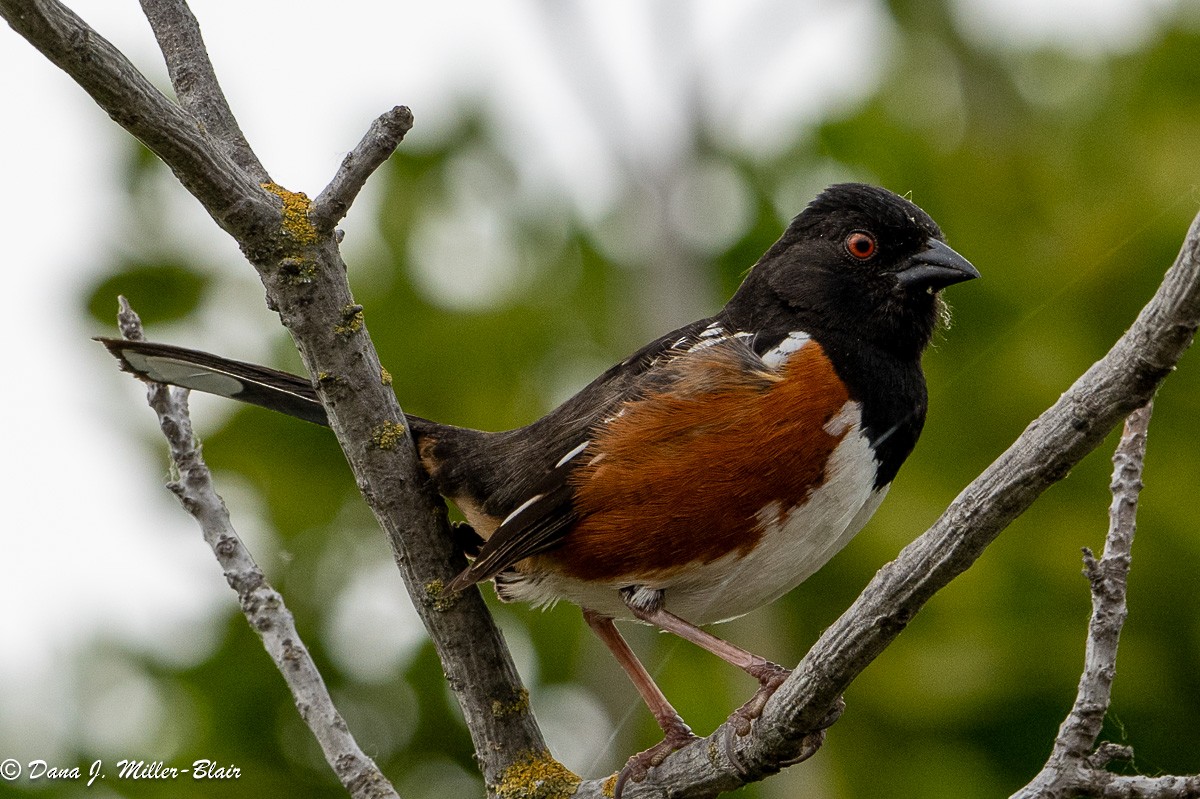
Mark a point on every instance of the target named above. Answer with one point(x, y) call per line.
point(710, 472)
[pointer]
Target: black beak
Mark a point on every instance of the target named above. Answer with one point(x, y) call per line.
point(936, 267)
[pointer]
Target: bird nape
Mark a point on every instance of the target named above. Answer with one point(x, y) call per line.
point(708, 473)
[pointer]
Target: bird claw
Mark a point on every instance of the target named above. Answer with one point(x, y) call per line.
point(810, 743)
point(678, 735)
point(770, 676)
point(741, 721)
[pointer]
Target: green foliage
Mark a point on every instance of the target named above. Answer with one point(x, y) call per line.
point(162, 291)
point(1068, 181)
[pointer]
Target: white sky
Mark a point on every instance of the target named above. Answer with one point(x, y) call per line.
point(92, 543)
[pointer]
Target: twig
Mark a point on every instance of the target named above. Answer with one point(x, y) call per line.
point(1073, 769)
point(380, 141)
point(232, 198)
point(195, 81)
point(263, 606)
point(1108, 579)
point(1114, 786)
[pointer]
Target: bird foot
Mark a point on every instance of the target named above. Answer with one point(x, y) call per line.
point(677, 735)
point(807, 749)
point(770, 676)
point(812, 742)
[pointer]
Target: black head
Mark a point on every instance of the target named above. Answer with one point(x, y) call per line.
point(859, 262)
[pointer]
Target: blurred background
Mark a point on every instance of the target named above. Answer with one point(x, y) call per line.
point(584, 176)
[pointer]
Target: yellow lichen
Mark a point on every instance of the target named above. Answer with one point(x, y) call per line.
point(536, 775)
point(295, 214)
point(515, 704)
point(437, 597)
point(609, 787)
point(385, 376)
point(387, 435)
point(352, 320)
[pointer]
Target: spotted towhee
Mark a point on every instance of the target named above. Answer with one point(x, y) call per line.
point(708, 473)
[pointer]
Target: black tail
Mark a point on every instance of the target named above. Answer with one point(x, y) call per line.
point(200, 371)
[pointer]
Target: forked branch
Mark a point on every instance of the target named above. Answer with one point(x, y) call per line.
point(1073, 768)
point(298, 260)
point(195, 80)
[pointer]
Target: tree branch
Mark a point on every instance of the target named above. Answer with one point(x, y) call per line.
point(232, 198)
point(1108, 579)
point(1073, 769)
point(1071, 761)
point(305, 279)
point(195, 81)
point(380, 141)
point(263, 606)
point(1114, 786)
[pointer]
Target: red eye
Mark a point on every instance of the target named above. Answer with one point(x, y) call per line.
point(860, 244)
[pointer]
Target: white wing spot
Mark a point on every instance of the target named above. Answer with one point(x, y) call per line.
point(778, 355)
point(521, 507)
point(704, 343)
point(572, 453)
point(710, 335)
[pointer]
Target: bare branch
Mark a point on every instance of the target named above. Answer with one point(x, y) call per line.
point(380, 141)
point(1115, 786)
point(1073, 769)
point(1072, 762)
point(263, 606)
point(1108, 579)
point(305, 280)
point(231, 197)
point(195, 81)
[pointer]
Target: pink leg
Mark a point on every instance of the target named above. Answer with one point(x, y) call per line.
point(769, 675)
point(676, 733)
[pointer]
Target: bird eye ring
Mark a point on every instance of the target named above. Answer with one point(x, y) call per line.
point(861, 245)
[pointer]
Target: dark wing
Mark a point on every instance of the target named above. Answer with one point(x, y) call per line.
point(692, 360)
point(200, 371)
point(536, 526)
